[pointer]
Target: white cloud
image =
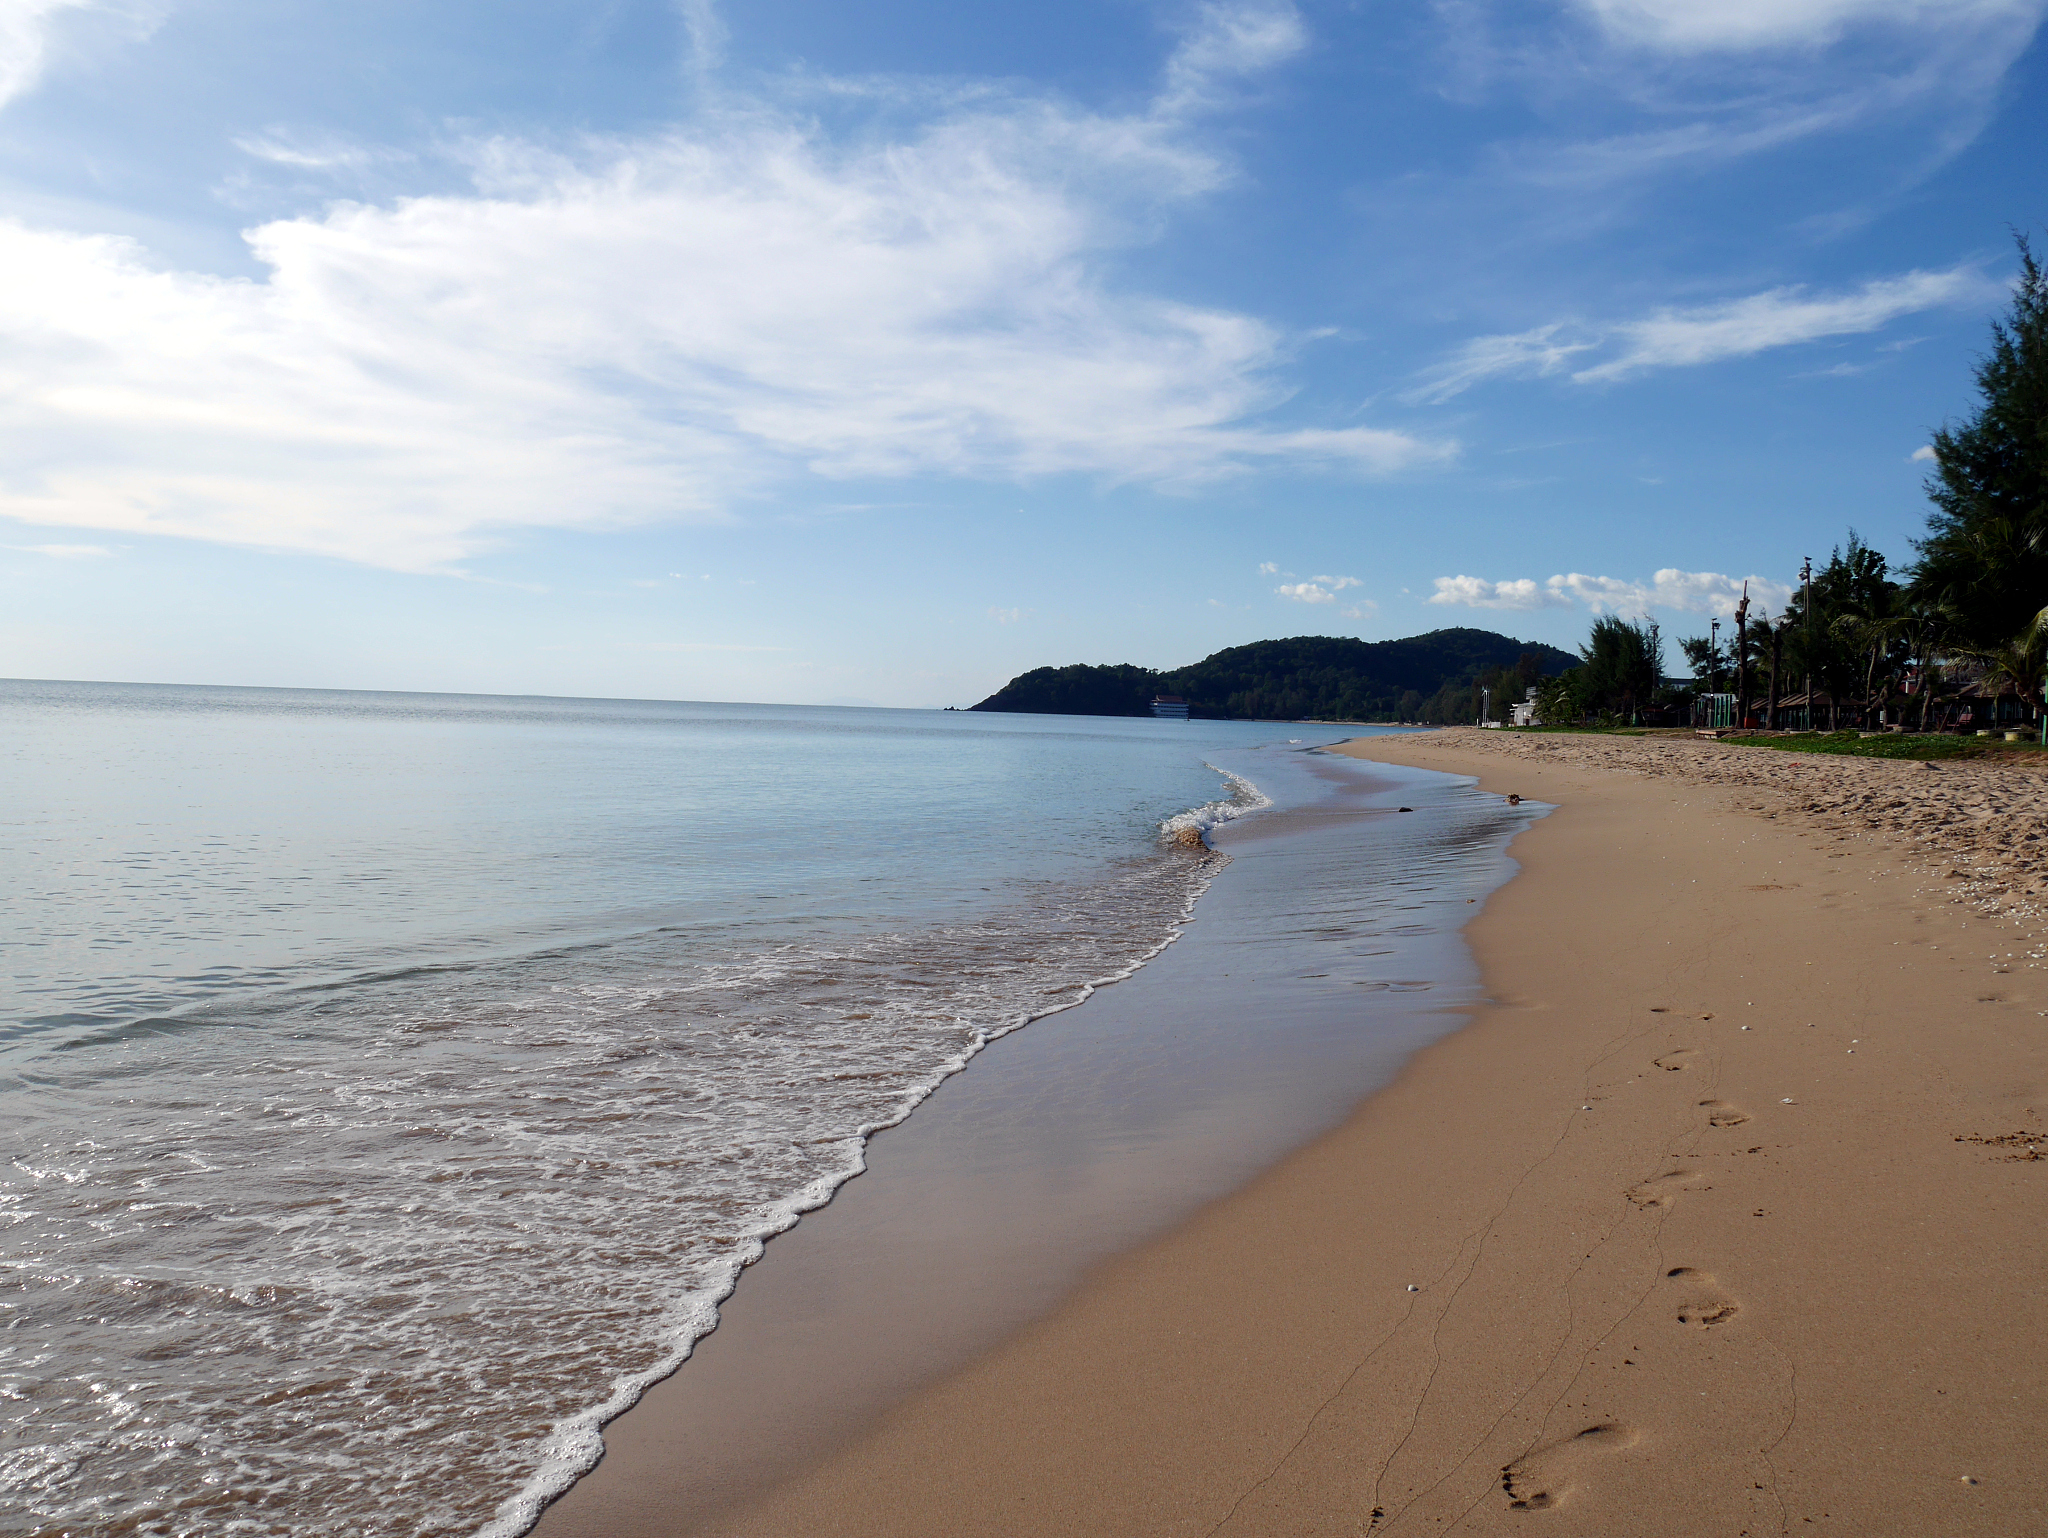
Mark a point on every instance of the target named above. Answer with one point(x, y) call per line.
point(1365, 608)
point(30, 30)
point(1226, 43)
point(1269, 569)
point(1316, 589)
point(65, 552)
point(1686, 26)
point(1779, 317)
point(1700, 84)
point(654, 329)
point(1684, 338)
point(1693, 592)
point(707, 33)
point(322, 152)
point(1478, 593)
point(1010, 616)
point(1528, 354)
point(1924, 453)
point(24, 41)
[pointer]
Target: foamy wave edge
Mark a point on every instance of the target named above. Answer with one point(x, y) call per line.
point(1244, 798)
point(574, 1447)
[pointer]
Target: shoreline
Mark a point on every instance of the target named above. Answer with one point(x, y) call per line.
point(1707, 1212)
point(1078, 1139)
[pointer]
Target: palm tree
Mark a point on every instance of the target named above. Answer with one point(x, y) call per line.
point(1873, 645)
point(2021, 662)
point(1924, 633)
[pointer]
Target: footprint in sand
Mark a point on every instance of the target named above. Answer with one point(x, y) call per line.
point(1672, 1062)
point(1702, 1305)
point(1721, 1114)
point(1662, 1190)
point(1541, 1479)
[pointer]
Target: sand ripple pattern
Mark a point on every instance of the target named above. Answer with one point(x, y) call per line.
point(376, 1259)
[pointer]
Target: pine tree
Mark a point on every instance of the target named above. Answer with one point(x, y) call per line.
point(1985, 557)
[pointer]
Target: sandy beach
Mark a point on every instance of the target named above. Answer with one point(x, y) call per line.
point(1722, 1216)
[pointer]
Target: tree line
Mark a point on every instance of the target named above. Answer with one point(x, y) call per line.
point(1957, 636)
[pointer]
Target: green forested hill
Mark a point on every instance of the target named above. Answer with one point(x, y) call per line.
point(1331, 677)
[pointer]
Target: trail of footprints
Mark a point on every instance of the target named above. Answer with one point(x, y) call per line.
point(1544, 1477)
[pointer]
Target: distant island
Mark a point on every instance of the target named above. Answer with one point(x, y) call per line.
point(1335, 678)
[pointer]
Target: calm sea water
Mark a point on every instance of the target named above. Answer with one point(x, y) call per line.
point(394, 1083)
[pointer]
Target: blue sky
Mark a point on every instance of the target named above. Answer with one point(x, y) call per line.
point(801, 351)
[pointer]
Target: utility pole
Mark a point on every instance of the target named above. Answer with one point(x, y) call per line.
point(1806, 582)
point(1485, 704)
point(1742, 659)
point(1714, 654)
point(1777, 672)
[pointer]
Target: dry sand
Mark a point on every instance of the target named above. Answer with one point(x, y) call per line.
point(1722, 1218)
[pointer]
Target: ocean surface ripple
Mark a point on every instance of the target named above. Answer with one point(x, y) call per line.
point(375, 1248)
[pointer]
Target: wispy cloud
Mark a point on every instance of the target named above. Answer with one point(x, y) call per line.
point(1688, 337)
point(1779, 317)
point(65, 552)
point(1225, 44)
point(700, 646)
point(282, 146)
point(1523, 355)
point(1316, 589)
point(1692, 85)
point(1010, 616)
point(1693, 592)
point(662, 328)
point(1687, 26)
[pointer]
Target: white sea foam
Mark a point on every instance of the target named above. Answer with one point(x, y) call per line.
point(443, 1223)
point(574, 1446)
point(1244, 798)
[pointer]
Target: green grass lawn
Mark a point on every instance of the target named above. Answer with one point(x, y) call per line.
point(1899, 745)
point(1848, 744)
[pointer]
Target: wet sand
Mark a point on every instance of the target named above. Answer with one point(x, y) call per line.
point(1070, 1141)
point(1722, 1217)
